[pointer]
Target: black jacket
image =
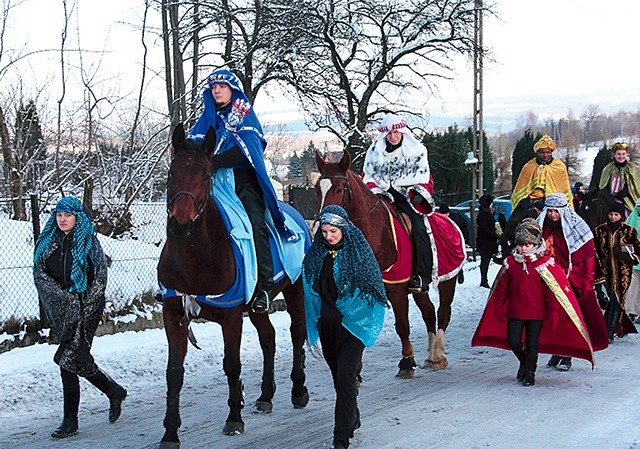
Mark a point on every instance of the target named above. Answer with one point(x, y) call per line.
point(486, 239)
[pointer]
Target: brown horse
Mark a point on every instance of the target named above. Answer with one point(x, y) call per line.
point(339, 185)
point(197, 258)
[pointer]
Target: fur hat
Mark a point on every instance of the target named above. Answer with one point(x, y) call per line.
point(224, 76)
point(528, 231)
point(545, 142)
point(392, 122)
point(617, 207)
point(619, 146)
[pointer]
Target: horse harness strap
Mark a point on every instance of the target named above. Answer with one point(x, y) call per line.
point(347, 190)
point(190, 308)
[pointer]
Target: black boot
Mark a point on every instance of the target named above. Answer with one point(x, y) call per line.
point(553, 361)
point(68, 427)
point(339, 444)
point(113, 390)
point(529, 379)
point(260, 302)
point(612, 323)
point(565, 364)
point(418, 284)
point(520, 376)
point(71, 401)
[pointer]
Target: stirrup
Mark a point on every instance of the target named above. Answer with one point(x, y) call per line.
point(261, 302)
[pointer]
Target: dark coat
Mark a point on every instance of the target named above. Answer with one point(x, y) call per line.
point(486, 239)
point(74, 316)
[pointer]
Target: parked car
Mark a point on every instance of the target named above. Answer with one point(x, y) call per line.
point(501, 205)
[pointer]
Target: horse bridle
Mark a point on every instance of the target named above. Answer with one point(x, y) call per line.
point(199, 205)
point(347, 192)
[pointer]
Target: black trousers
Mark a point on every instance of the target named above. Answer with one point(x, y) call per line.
point(485, 259)
point(529, 353)
point(342, 351)
point(250, 195)
point(421, 244)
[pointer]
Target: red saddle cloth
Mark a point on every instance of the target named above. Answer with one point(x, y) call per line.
point(447, 245)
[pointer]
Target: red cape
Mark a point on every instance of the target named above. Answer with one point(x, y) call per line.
point(569, 337)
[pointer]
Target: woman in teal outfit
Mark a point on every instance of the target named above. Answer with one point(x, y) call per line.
point(345, 303)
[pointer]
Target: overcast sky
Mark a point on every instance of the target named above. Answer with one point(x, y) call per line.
point(550, 55)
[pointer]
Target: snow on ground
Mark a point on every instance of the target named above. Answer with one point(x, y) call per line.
point(474, 403)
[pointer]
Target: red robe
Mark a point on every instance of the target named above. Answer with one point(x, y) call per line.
point(542, 291)
point(581, 278)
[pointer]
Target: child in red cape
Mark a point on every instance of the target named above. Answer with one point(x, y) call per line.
point(532, 308)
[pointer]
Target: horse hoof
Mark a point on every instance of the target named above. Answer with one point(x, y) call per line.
point(406, 373)
point(233, 428)
point(437, 366)
point(169, 445)
point(264, 406)
point(300, 401)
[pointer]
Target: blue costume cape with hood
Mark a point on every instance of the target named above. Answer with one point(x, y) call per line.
point(247, 135)
point(289, 235)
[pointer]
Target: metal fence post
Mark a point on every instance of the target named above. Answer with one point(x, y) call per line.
point(35, 221)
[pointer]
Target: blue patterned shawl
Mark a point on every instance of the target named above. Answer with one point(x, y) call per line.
point(361, 295)
point(82, 243)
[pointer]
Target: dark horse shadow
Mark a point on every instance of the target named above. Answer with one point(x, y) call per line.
point(593, 208)
point(197, 259)
point(339, 185)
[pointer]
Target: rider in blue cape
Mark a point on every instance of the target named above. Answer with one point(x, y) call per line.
point(240, 146)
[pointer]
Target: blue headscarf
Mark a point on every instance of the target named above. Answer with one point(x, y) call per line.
point(82, 243)
point(238, 126)
point(359, 268)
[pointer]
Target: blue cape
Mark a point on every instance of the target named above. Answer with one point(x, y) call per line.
point(246, 135)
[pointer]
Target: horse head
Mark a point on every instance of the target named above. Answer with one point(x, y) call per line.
point(334, 187)
point(189, 182)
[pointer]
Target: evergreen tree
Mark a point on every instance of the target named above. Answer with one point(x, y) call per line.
point(447, 153)
point(488, 169)
point(523, 153)
point(308, 161)
point(601, 160)
point(295, 168)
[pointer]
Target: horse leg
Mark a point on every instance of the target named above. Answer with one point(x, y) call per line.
point(232, 335)
point(399, 302)
point(267, 339)
point(447, 290)
point(294, 297)
point(428, 312)
point(172, 313)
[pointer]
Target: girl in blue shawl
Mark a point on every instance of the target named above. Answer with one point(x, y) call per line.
point(345, 303)
point(70, 274)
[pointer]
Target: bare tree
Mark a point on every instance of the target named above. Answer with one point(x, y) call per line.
point(362, 58)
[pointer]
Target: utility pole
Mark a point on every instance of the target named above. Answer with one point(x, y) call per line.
point(478, 121)
point(478, 136)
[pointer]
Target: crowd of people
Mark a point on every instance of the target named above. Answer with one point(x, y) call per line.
point(556, 275)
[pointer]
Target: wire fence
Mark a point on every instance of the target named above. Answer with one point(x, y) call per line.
point(132, 259)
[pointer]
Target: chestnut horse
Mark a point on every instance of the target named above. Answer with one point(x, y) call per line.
point(197, 258)
point(339, 185)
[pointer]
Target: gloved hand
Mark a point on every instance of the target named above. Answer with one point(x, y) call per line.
point(603, 296)
point(626, 253)
point(621, 194)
